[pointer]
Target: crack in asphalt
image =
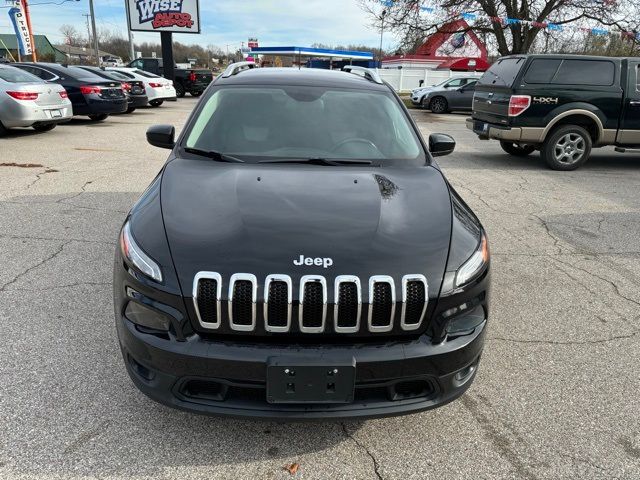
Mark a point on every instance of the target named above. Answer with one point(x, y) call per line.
point(56, 287)
point(86, 437)
point(50, 239)
point(374, 460)
point(499, 439)
point(556, 342)
point(33, 267)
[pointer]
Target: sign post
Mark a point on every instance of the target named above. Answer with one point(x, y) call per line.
point(166, 17)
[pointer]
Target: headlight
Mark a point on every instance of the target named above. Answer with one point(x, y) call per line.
point(476, 263)
point(136, 256)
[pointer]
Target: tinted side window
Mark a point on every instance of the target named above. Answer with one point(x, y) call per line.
point(454, 83)
point(43, 74)
point(585, 72)
point(542, 70)
point(638, 78)
point(503, 72)
point(137, 64)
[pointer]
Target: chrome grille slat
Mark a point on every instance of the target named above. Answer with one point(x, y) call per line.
point(196, 285)
point(338, 303)
point(407, 280)
point(381, 279)
point(243, 277)
point(313, 298)
point(309, 279)
point(271, 279)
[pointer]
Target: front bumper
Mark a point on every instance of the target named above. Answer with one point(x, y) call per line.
point(232, 375)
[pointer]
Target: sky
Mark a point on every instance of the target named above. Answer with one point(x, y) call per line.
point(224, 22)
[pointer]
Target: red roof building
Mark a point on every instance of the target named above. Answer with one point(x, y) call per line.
point(453, 47)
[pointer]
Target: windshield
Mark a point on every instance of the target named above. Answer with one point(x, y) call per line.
point(304, 122)
point(15, 75)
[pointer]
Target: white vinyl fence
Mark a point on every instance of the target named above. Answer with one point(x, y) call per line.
point(406, 79)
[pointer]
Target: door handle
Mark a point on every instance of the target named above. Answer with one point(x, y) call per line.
point(634, 103)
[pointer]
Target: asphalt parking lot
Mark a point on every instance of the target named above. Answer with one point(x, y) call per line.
point(557, 391)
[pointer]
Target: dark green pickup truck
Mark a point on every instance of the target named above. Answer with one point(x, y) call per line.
point(562, 105)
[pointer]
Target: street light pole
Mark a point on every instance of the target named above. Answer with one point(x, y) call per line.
point(95, 33)
point(384, 12)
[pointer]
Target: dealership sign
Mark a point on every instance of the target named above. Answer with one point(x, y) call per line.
point(178, 16)
point(21, 27)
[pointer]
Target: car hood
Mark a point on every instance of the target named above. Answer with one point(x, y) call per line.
point(258, 219)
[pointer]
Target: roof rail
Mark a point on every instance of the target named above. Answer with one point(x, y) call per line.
point(235, 68)
point(368, 73)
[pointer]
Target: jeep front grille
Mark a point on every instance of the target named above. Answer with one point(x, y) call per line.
point(316, 312)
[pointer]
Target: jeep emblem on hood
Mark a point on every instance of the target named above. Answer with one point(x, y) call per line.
point(319, 261)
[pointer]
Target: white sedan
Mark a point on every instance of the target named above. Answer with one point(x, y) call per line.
point(27, 101)
point(158, 89)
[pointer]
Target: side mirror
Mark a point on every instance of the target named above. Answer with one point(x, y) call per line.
point(441, 144)
point(161, 136)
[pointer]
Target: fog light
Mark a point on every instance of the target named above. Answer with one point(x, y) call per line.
point(464, 375)
point(146, 317)
point(465, 322)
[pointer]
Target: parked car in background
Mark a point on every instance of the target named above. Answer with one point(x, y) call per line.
point(418, 95)
point(90, 95)
point(443, 100)
point(158, 89)
point(191, 80)
point(562, 105)
point(133, 89)
point(27, 101)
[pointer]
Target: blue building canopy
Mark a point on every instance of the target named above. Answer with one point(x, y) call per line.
point(312, 52)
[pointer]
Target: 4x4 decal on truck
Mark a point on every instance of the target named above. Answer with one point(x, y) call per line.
point(546, 100)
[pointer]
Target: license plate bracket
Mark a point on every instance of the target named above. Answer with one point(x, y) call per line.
point(55, 113)
point(313, 380)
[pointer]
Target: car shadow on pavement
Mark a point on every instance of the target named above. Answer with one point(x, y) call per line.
point(69, 407)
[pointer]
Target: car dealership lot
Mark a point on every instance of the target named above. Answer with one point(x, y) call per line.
point(556, 395)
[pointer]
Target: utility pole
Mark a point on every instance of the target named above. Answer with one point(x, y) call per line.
point(95, 33)
point(86, 18)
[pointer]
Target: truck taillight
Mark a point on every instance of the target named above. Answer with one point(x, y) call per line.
point(518, 104)
point(23, 95)
point(89, 89)
point(192, 76)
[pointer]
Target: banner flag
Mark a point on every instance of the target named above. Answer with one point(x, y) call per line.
point(16, 14)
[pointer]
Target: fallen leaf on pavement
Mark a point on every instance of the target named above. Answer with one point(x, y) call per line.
point(293, 468)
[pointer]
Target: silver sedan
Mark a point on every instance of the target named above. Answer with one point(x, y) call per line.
point(28, 101)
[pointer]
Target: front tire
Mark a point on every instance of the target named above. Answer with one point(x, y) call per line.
point(438, 105)
point(517, 150)
point(44, 127)
point(131, 109)
point(180, 90)
point(567, 148)
point(156, 103)
point(98, 117)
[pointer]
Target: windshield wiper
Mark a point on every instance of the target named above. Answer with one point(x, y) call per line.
point(319, 161)
point(217, 156)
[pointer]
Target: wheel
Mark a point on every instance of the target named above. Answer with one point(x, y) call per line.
point(567, 147)
point(517, 150)
point(439, 105)
point(179, 90)
point(98, 117)
point(131, 109)
point(156, 103)
point(44, 127)
point(196, 94)
point(3, 130)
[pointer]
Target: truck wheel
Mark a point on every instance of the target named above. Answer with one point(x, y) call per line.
point(566, 148)
point(98, 117)
point(179, 90)
point(515, 149)
point(439, 105)
point(196, 94)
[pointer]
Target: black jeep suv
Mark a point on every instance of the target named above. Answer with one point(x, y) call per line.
point(301, 255)
point(562, 105)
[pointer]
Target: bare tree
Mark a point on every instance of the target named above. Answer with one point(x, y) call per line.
point(511, 26)
point(71, 35)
